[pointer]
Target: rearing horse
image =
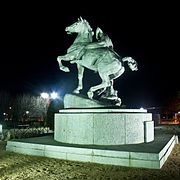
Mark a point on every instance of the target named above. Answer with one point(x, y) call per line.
point(105, 61)
point(84, 37)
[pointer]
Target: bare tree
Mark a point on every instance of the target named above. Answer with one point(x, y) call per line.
point(31, 105)
point(174, 103)
point(5, 101)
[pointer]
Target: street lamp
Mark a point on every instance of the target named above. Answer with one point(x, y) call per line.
point(54, 95)
point(48, 97)
point(45, 95)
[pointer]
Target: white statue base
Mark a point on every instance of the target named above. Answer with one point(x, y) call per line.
point(0, 128)
point(104, 126)
point(81, 101)
point(105, 136)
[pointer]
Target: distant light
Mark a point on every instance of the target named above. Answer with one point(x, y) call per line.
point(4, 114)
point(178, 112)
point(141, 108)
point(45, 95)
point(54, 95)
point(27, 112)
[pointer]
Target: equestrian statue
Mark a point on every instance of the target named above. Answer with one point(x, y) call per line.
point(98, 56)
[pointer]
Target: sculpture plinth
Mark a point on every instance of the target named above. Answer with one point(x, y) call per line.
point(81, 101)
point(102, 126)
point(0, 128)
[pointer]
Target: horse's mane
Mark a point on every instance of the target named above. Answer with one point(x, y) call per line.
point(88, 26)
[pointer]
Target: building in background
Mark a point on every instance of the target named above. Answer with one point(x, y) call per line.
point(164, 115)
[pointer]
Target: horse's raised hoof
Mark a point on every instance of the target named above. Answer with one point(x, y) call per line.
point(90, 95)
point(65, 69)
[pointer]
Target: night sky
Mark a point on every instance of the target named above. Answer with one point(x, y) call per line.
point(33, 36)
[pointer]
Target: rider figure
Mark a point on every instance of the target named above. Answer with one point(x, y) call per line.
point(103, 41)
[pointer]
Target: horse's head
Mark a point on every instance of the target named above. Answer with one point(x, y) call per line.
point(81, 26)
point(131, 63)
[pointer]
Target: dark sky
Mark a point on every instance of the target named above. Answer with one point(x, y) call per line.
point(33, 36)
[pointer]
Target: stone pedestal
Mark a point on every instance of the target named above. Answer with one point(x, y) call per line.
point(101, 135)
point(0, 129)
point(80, 101)
point(93, 122)
point(146, 155)
point(103, 126)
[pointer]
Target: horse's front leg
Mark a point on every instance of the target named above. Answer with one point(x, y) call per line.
point(61, 67)
point(66, 57)
point(80, 78)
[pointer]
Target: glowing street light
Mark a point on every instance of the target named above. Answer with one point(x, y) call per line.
point(45, 95)
point(54, 95)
